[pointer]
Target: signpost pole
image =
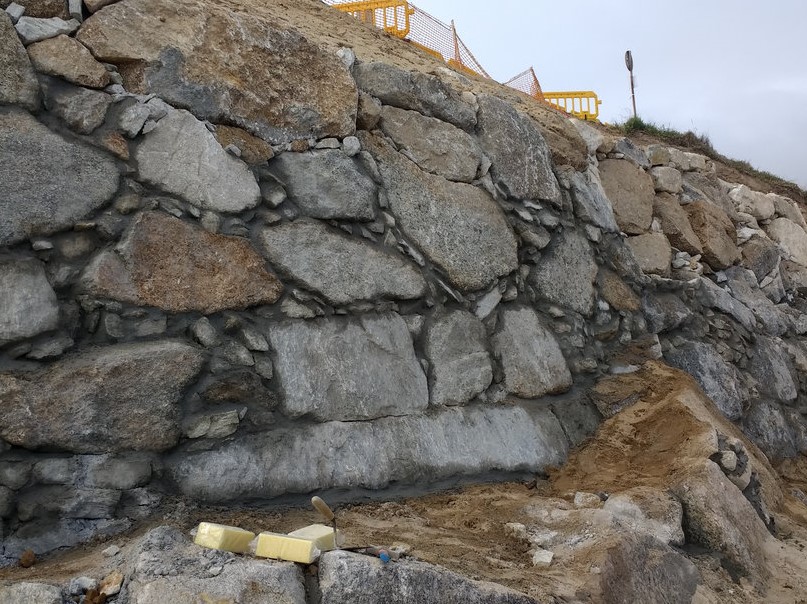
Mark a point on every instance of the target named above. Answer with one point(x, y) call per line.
point(629, 65)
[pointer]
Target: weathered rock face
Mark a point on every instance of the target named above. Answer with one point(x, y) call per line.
point(380, 376)
point(460, 364)
point(435, 146)
point(718, 379)
point(520, 155)
point(182, 157)
point(453, 442)
point(590, 201)
point(531, 358)
point(458, 226)
point(238, 579)
point(631, 192)
point(168, 263)
point(18, 85)
point(752, 202)
point(791, 238)
point(23, 593)
point(349, 577)
point(28, 304)
point(81, 109)
point(66, 58)
point(675, 224)
point(41, 9)
point(298, 91)
point(716, 232)
point(761, 256)
point(667, 180)
point(652, 252)
point(771, 367)
point(565, 275)
point(46, 182)
point(342, 269)
point(326, 184)
point(416, 91)
point(112, 399)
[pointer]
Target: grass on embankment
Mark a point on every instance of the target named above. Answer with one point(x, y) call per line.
point(700, 143)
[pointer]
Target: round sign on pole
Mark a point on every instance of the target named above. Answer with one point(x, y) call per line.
point(629, 60)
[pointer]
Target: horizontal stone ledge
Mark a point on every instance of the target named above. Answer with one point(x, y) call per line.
point(371, 455)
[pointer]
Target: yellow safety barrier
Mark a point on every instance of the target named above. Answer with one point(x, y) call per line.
point(582, 104)
point(404, 20)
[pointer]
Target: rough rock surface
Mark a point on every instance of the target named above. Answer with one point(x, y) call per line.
point(590, 201)
point(32, 29)
point(172, 265)
point(653, 253)
point(666, 179)
point(520, 155)
point(458, 226)
point(342, 269)
point(532, 361)
point(114, 398)
point(177, 49)
point(66, 58)
point(664, 311)
point(18, 85)
point(81, 109)
point(460, 364)
point(326, 184)
point(349, 577)
point(416, 91)
point(411, 449)
point(435, 146)
point(200, 575)
point(771, 367)
point(761, 256)
point(380, 376)
point(716, 233)
point(28, 304)
point(791, 238)
point(565, 274)
point(631, 192)
point(675, 224)
point(181, 156)
point(42, 9)
point(28, 593)
point(719, 380)
point(757, 204)
point(46, 182)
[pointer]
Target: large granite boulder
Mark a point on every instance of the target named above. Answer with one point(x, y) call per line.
point(379, 377)
point(520, 156)
point(590, 201)
point(458, 226)
point(772, 368)
point(224, 65)
point(790, 237)
point(173, 265)
point(716, 232)
point(46, 182)
point(117, 398)
point(165, 566)
point(631, 192)
point(341, 268)
point(653, 253)
point(359, 579)
point(66, 58)
point(82, 109)
point(565, 274)
point(460, 363)
point(326, 184)
point(719, 380)
point(424, 93)
point(181, 156)
point(675, 224)
point(28, 593)
point(414, 449)
point(435, 146)
point(18, 85)
point(28, 304)
point(532, 361)
point(748, 201)
point(761, 256)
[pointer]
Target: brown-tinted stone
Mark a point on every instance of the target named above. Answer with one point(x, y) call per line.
point(675, 224)
point(226, 66)
point(253, 150)
point(761, 256)
point(716, 232)
point(18, 84)
point(177, 267)
point(115, 398)
point(652, 252)
point(41, 9)
point(616, 292)
point(631, 192)
point(115, 143)
point(66, 58)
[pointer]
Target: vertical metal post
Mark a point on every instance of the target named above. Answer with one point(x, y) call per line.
point(456, 43)
point(629, 65)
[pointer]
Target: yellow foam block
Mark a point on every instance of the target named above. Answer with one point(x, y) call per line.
point(221, 536)
point(283, 547)
point(320, 534)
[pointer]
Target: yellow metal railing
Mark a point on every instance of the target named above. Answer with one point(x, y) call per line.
point(404, 20)
point(393, 16)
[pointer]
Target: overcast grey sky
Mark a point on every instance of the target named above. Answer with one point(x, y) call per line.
point(735, 70)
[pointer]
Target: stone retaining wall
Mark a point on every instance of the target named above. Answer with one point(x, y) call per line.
point(220, 282)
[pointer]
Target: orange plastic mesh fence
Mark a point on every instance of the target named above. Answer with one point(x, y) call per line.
point(405, 20)
point(527, 82)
